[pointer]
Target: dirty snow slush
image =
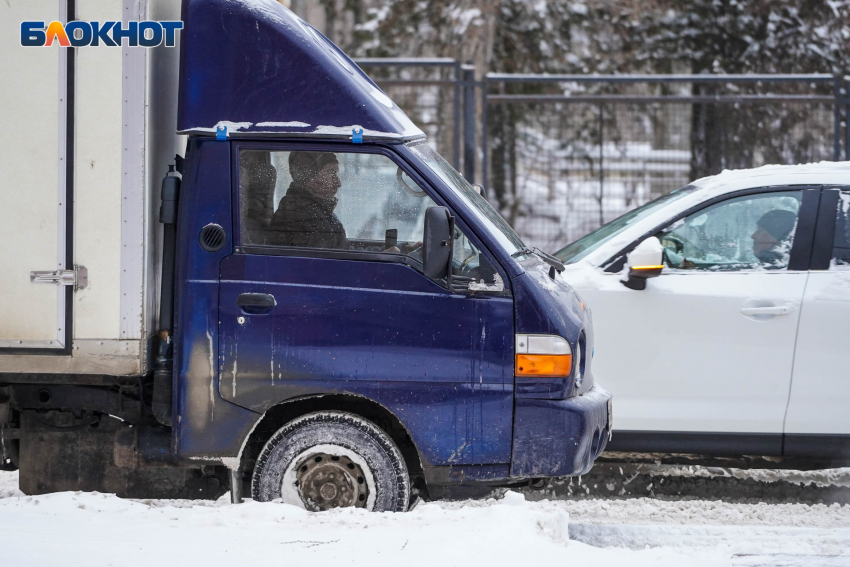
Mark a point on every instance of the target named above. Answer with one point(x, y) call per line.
point(101, 529)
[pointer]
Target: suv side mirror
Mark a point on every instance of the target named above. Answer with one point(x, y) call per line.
point(645, 261)
point(437, 242)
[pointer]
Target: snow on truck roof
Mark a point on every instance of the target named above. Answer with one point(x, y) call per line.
point(255, 67)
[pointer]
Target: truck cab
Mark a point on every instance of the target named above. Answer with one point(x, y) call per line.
point(344, 320)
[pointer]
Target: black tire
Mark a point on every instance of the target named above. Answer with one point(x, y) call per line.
point(360, 444)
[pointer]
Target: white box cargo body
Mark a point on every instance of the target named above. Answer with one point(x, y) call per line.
point(89, 133)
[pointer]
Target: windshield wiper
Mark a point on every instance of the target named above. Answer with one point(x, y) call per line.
point(548, 258)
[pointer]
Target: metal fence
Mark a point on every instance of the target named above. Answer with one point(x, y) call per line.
point(563, 154)
point(429, 91)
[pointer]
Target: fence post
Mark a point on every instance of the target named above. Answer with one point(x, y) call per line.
point(846, 117)
point(456, 133)
point(601, 163)
point(836, 149)
point(485, 157)
point(469, 122)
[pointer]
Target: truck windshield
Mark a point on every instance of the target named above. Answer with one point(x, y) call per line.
point(586, 244)
point(492, 220)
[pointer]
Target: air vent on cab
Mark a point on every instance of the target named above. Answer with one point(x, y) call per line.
point(212, 238)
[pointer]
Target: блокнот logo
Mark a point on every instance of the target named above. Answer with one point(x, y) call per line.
point(82, 34)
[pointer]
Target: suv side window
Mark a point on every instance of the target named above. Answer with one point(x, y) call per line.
point(742, 233)
point(358, 202)
point(841, 244)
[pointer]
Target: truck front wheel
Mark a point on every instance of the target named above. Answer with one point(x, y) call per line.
point(332, 459)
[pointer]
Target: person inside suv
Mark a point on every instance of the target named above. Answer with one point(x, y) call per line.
point(772, 232)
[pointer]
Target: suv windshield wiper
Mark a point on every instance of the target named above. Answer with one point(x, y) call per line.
point(548, 258)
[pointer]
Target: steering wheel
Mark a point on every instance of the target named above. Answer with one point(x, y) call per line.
point(415, 253)
point(665, 259)
point(466, 262)
point(680, 245)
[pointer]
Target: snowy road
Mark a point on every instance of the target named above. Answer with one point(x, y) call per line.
point(98, 529)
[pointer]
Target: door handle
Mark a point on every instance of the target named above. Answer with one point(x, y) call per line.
point(785, 309)
point(256, 303)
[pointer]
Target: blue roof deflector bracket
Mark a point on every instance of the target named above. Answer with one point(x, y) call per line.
point(357, 136)
point(221, 133)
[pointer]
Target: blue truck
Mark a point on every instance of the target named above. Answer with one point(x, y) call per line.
point(330, 315)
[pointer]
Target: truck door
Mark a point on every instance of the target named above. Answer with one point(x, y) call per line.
point(818, 422)
point(34, 196)
point(325, 294)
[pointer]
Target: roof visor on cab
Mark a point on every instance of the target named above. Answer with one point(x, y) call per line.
point(254, 67)
point(543, 356)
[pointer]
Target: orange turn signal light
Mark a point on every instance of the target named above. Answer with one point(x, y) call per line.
point(554, 365)
point(661, 267)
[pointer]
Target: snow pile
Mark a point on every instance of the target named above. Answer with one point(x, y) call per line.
point(101, 529)
point(9, 485)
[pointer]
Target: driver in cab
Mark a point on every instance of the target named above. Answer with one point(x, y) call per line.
point(305, 216)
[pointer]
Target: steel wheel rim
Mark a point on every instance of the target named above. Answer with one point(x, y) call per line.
point(326, 481)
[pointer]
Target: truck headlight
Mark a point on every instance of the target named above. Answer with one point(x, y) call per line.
point(543, 356)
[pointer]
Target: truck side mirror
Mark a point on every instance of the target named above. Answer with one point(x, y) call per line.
point(645, 261)
point(437, 242)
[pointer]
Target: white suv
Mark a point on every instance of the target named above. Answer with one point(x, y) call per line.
point(741, 344)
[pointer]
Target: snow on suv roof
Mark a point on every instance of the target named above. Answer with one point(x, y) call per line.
point(732, 176)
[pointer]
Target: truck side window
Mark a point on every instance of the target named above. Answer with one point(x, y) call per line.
point(743, 233)
point(333, 201)
point(841, 245)
point(470, 266)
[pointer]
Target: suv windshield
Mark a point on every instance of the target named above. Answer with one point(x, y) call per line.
point(586, 244)
point(496, 225)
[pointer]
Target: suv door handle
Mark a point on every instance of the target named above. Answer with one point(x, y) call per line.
point(785, 309)
point(256, 303)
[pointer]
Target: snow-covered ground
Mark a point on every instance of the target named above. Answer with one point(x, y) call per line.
point(99, 529)
point(689, 482)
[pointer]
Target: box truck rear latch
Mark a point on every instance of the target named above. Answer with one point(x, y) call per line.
point(78, 277)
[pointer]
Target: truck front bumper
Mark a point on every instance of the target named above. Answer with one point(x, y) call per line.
point(560, 437)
